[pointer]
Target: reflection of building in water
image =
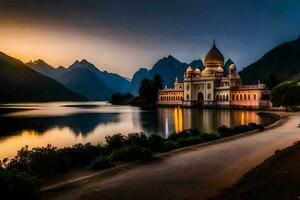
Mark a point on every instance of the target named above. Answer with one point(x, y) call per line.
point(175, 120)
point(215, 86)
point(178, 121)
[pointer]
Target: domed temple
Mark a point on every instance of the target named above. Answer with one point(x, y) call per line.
point(212, 87)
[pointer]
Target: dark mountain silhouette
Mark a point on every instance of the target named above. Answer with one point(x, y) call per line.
point(136, 80)
point(85, 78)
point(168, 68)
point(283, 60)
point(20, 83)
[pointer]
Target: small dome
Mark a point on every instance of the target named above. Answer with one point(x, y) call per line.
point(214, 57)
point(220, 69)
point(197, 71)
point(232, 67)
point(189, 70)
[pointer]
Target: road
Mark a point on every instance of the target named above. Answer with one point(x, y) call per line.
point(197, 173)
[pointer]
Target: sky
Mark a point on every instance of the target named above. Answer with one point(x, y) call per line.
point(121, 36)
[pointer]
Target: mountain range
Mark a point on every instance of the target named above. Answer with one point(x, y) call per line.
point(168, 68)
point(20, 83)
point(84, 78)
point(84, 81)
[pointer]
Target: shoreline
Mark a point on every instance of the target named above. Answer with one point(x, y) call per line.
point(82, 174)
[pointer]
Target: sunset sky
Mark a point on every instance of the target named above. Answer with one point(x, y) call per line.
point(121, 36)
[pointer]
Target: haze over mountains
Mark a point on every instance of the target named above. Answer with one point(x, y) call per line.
point(84, 78)
point(20, 83)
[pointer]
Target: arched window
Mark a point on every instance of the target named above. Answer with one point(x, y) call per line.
point(245, 97)
point(241, 97)
point(249, 96)
point(227, 97)
point(254, 96)
point(232, 97)
point(237, 97)
point(187, 97)
point(209, 96)
point(217, 97)
point(224, 98)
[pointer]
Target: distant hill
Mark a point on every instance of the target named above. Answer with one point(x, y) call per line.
point(168, 68)
point(85, 78)
point(283, 60)
point(20, 83)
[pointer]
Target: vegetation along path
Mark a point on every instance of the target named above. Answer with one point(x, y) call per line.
point(199, 172)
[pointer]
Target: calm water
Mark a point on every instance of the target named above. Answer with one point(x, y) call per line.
point(68, 123)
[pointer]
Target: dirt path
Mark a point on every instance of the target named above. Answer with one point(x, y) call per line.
point(198, 173)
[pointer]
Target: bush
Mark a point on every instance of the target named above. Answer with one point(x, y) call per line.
point(82, 154)
point(224, 131)
point(42, 161)
point(15, 184)
point(156, 143)
point(185, 134)
point(100, 162)
point(139, 139)
point(115, 141)
point(130, 153)
point(183, 142)
point(209, 136)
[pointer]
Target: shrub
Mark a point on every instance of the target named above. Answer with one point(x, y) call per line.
point(182, 142)
point(100, 162)
point(130, 153)
point(15, 184)
point(224, 131)
point(139, 139)
point(156, 143)
point(43, 161)
point(209, 136)
point(115, 141)
point(82, 154)
point(184, 134)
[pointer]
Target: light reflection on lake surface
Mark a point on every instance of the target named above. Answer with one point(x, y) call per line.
point(68, 123)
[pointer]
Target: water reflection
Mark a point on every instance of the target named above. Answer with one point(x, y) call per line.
point(81, 123)
point(65, 124)
point(174, 120)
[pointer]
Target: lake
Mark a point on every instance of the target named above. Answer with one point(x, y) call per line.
point(66, 123)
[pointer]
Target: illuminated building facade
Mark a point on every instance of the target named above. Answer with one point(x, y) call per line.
point(214, 88)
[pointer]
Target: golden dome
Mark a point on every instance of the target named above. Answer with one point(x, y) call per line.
point(220, 69)
point(232, 67)
point(189, 70)
point(214, 57)
point(208, 71)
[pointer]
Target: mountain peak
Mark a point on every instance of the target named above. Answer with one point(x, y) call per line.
point(85, 62)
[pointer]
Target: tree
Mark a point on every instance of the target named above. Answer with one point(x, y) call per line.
point(148, 91)
point(286, 94)
point(272, 80)
point(145, 91)
point(157, 85)
point(121, 99)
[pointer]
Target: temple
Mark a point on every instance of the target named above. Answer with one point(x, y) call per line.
point(214, 87)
